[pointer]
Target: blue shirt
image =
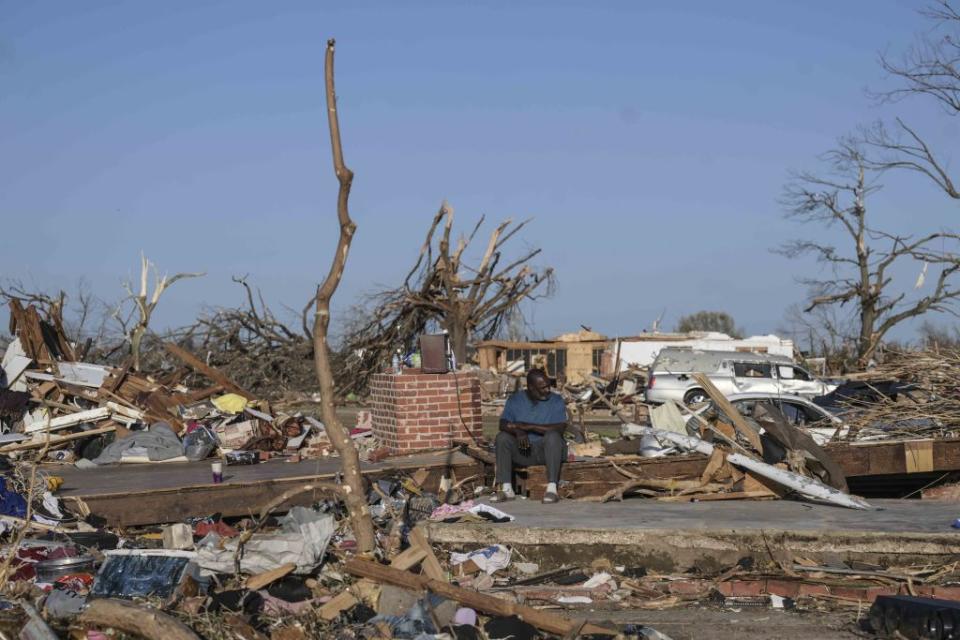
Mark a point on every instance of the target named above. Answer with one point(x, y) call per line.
point(520, 408)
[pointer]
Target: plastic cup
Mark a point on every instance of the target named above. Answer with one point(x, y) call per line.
point(217, 469)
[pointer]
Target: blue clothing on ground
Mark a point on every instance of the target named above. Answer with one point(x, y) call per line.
point(520, 408)
point(11, 502)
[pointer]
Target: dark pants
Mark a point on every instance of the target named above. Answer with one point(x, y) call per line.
point(551, 451)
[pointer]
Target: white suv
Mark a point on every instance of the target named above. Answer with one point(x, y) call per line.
point(671, 375)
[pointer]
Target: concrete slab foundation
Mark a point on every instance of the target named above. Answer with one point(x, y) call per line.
point(712, 536)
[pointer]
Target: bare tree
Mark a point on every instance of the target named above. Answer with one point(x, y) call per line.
point(861, 273)
point(469, 302)
point(144, 303)
point(929, 68)
point(253, 346)
point(827, 332)
point(355, 496)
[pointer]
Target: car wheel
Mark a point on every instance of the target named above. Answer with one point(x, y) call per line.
point(695, 396)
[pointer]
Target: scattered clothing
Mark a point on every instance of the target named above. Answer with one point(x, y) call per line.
point(11, 502)
point(445, 511)
point(489, 560)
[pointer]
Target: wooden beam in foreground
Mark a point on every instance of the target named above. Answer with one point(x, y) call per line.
point(544, 620)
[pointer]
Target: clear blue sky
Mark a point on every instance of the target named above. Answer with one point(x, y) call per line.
point(648, 140)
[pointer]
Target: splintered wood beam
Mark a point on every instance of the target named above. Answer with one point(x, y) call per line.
point(40, 442)
point(431, 565)
point(544, 620)
point(146, 622)
point(204, 369)
point(731, 412)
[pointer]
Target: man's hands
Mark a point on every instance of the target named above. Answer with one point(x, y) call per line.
point(523, 441)
point(520, 433)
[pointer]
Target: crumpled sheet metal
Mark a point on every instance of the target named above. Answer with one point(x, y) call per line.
point(807, 487)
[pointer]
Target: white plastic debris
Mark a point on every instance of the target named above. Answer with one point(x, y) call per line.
point(303, 540)
point(496, 513)
point(599, 579)
point(489, 560)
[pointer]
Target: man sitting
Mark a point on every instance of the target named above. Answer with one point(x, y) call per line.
point(531, 432)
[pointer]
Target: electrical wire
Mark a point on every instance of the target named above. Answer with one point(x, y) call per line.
point(456, 383)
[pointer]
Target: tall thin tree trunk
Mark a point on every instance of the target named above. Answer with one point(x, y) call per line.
point(866, 344)
point(459, 334)
point(136, 339)
point(356, 500)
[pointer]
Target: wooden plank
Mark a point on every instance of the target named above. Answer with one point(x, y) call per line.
point(409, 558)
point(713, 497)
point(112, 410)
point(758, 485)
point(596, 477)
point(90, 415)
point(55, 440)
point(261, 580)
point(44, 389)
point(346, 599)
point(475, 452)
point(198, 395)
point(201, 367)
point(888, 458)
point(152, 506)
point(360, 590)
point(918, 456)
point(431, 565)
point(717, 458)
point(340, 603)
point(731, 412)
point(116, 378)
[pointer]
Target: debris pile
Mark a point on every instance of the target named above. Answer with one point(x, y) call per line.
point(264, 576)
point(763, 456)
point(94, 414)
point(910, 395)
